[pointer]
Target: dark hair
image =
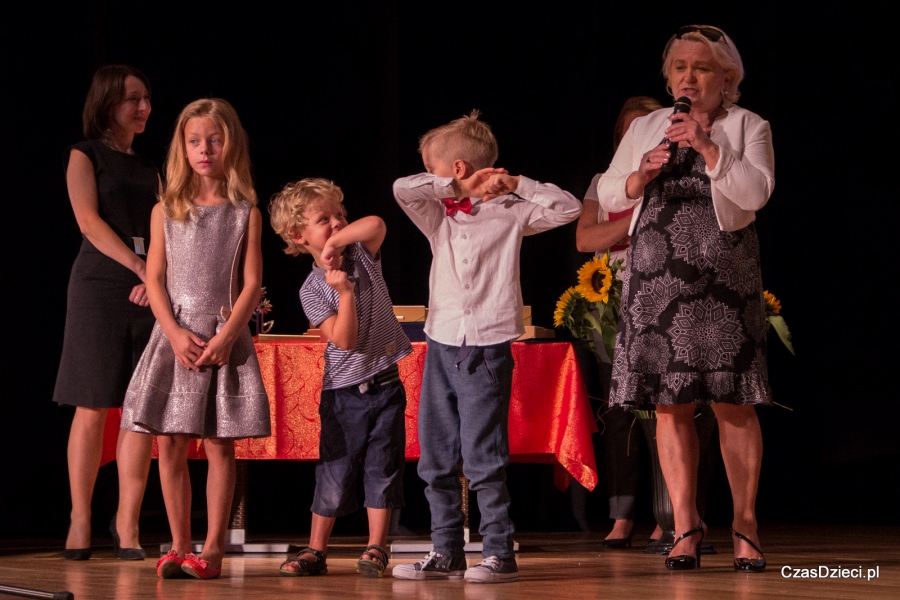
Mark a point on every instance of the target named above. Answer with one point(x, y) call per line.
point(644, 104)
point(106, 91)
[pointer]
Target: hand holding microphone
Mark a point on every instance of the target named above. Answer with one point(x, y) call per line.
point(682, 105)
point(656, 160)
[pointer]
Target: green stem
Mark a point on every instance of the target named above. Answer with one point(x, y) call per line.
point(589, 317)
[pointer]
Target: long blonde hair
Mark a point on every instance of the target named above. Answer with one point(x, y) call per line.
point(182, 184)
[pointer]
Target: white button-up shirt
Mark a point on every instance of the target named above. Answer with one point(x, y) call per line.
point(475, 294)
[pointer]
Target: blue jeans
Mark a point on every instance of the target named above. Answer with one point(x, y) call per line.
point(464, 413)
point(361, 429)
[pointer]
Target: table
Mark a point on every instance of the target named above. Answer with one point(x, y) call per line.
point(550, 418)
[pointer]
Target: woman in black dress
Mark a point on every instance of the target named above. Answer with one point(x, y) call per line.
point(108, 321)
point(692, 328)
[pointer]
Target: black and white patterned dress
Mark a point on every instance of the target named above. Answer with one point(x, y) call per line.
point(692, 326)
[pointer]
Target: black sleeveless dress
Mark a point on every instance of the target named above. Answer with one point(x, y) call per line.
point(105, 332)
point(692, 325)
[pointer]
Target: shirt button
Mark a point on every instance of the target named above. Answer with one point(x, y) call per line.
point(468, 312)
point(465, 237)
point(465, 261)
point(468, 286)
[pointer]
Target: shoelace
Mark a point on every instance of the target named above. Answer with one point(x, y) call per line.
point(425, 561)
point(491, 562)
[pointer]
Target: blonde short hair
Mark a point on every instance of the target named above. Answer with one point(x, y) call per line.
point(182, 184)
point(723, 50)
point(466, 138)
point(287, 208)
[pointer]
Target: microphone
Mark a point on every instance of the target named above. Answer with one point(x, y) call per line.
point(682, 105)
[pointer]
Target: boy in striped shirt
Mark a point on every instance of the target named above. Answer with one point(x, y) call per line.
point(363, 401)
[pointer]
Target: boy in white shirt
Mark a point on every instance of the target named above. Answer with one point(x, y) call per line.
point(474, 216)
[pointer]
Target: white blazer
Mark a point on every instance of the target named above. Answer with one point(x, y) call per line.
point(741, 182)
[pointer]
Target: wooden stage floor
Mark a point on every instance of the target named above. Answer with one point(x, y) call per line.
point(552, 565)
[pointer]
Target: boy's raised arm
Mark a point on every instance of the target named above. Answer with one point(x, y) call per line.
point(487, 184)
point(368, 230)
point(418, 196)
point(548, 206)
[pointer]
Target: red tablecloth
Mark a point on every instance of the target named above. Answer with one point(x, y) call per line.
point(550, 418)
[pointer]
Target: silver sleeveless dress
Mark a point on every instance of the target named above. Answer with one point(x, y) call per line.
point(203, 255)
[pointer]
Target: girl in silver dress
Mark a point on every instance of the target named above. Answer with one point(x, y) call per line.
point(199, 376)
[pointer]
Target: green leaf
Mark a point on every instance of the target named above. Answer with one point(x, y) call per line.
point(781, 328)
point(609, 339)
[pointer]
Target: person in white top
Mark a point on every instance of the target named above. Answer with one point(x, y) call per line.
point(600, 231)
point(692, 327)
point(474, 216)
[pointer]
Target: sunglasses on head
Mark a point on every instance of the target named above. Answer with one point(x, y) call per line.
point(710, 33)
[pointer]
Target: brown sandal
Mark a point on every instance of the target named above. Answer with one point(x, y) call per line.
point(305, 567)
point(375, 565)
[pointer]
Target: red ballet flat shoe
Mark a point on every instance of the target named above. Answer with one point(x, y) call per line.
point(169, 566)
point(199, 568)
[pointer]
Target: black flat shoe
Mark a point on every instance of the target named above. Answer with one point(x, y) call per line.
point(77, 553)
point(684, 562)
point(124, 553)
point(618, 543)
point(755, 565)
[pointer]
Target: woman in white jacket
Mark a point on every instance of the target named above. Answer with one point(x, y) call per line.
point(692, 327)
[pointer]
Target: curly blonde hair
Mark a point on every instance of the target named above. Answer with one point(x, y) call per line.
point(182, 184)
point(466, 138)
point(287, 208)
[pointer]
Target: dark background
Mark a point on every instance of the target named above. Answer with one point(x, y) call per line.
point(343, 90)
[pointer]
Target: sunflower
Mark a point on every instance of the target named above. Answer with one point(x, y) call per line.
point(564, 307)
point(595, 279)
point(773, 304)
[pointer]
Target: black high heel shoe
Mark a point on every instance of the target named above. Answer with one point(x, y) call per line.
point(619, 543)
point(77, 553)
point(124, 553)
point(749, 564)
point(685, 562)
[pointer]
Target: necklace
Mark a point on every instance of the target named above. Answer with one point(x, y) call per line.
point(109, 143)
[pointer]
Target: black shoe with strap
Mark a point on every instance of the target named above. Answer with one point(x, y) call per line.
point(685, 562)
point(749, 564)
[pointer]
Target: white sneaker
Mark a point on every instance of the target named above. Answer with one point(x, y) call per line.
point(493, 570)
point(433, 566)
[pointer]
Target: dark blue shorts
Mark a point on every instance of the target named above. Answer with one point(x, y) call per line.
point(361, 429)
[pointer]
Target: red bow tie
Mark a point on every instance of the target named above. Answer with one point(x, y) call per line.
point(452, 205)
